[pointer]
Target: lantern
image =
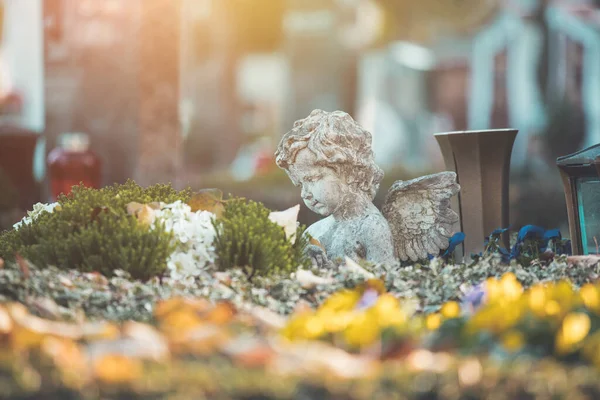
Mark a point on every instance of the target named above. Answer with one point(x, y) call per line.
point(481, 160)
point(580, 173)
point(73, 163)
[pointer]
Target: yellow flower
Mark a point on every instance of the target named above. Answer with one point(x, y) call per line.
point(509, 277)
point(296, 327)
point(511, 288)
point(537, 299)
point(338, 321)
point(493, 289)
point(362, 331)
point(513, 341)
point(117, 369)
point(450, 310)
point(314, 328)
point(574, 329)
point(591, 297)
point(552, 308)
point(433, 321)
point(388, 311)
point(564, 295)
point(508, 316)
point(343, 300)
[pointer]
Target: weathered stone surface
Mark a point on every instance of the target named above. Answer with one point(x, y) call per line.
point(330, 157)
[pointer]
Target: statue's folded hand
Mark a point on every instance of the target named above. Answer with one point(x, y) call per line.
point(317, 255)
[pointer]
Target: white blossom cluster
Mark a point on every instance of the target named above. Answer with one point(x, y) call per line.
point(194, 236)
point(38, 209)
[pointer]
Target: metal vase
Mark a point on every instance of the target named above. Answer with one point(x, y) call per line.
point(481, 160)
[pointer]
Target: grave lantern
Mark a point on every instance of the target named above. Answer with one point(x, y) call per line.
point(481, 160)
point(580, 173)
point(73, 163)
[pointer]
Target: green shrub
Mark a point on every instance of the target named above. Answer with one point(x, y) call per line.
point(246, 238)
point(91, 231)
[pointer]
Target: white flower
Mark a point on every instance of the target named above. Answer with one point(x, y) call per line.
point(288, 219)
point(38, 209)
point(193, 236)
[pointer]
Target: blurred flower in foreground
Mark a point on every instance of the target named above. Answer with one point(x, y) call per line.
point(356, 317)
point(474, 298)
point(575, 327)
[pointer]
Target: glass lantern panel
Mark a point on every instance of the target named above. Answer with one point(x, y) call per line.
point(588, 199)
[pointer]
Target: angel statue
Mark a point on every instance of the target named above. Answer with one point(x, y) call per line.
point(330, 157)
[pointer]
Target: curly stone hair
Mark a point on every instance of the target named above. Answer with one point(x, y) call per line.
point(338, 142)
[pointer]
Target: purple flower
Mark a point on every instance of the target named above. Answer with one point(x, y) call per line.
point(474, 297)
point(368, 299)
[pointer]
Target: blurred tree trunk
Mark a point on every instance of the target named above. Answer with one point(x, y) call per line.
point(539, 19)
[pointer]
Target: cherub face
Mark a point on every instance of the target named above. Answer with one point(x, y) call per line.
point(322, 187)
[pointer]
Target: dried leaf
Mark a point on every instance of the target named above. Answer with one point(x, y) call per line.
point(249, 352)
point(45, 307)
point(146, 215)
point(96, 212)
point(117, 369)
point(23, 266)
point(223, 277)
point(32, 329)
point(66, 282)
point(97, 277)
point(264, 316)
point(179, 304)
point(302, 307)
point(143, 212)
point(357, 269)
point(155, 205)
point(318, 356)
point(308, 280)
point(6, 324)
point(210, 200)
point(222, 313)
point(316, 243)
point(154, 344)
point(288, 219)
point(1, 263)
point(133, 208)
point(589, 259)
point(65, 354)
point(179, 322)
point(203, 340)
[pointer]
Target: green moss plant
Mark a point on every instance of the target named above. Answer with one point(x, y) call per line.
point(246, 238)
point(92, 231)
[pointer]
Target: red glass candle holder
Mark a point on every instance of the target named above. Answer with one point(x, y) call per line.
point(72, 163)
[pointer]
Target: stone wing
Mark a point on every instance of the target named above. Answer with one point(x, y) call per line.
point(419, 214)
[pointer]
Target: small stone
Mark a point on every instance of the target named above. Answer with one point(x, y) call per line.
point(66, 282)
point(308, 280)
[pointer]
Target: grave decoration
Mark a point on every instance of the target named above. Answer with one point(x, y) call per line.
point(580, 173)
point(330, 156)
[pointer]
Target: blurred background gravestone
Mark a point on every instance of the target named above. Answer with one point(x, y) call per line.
point(199, 92)
point(112, 71)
